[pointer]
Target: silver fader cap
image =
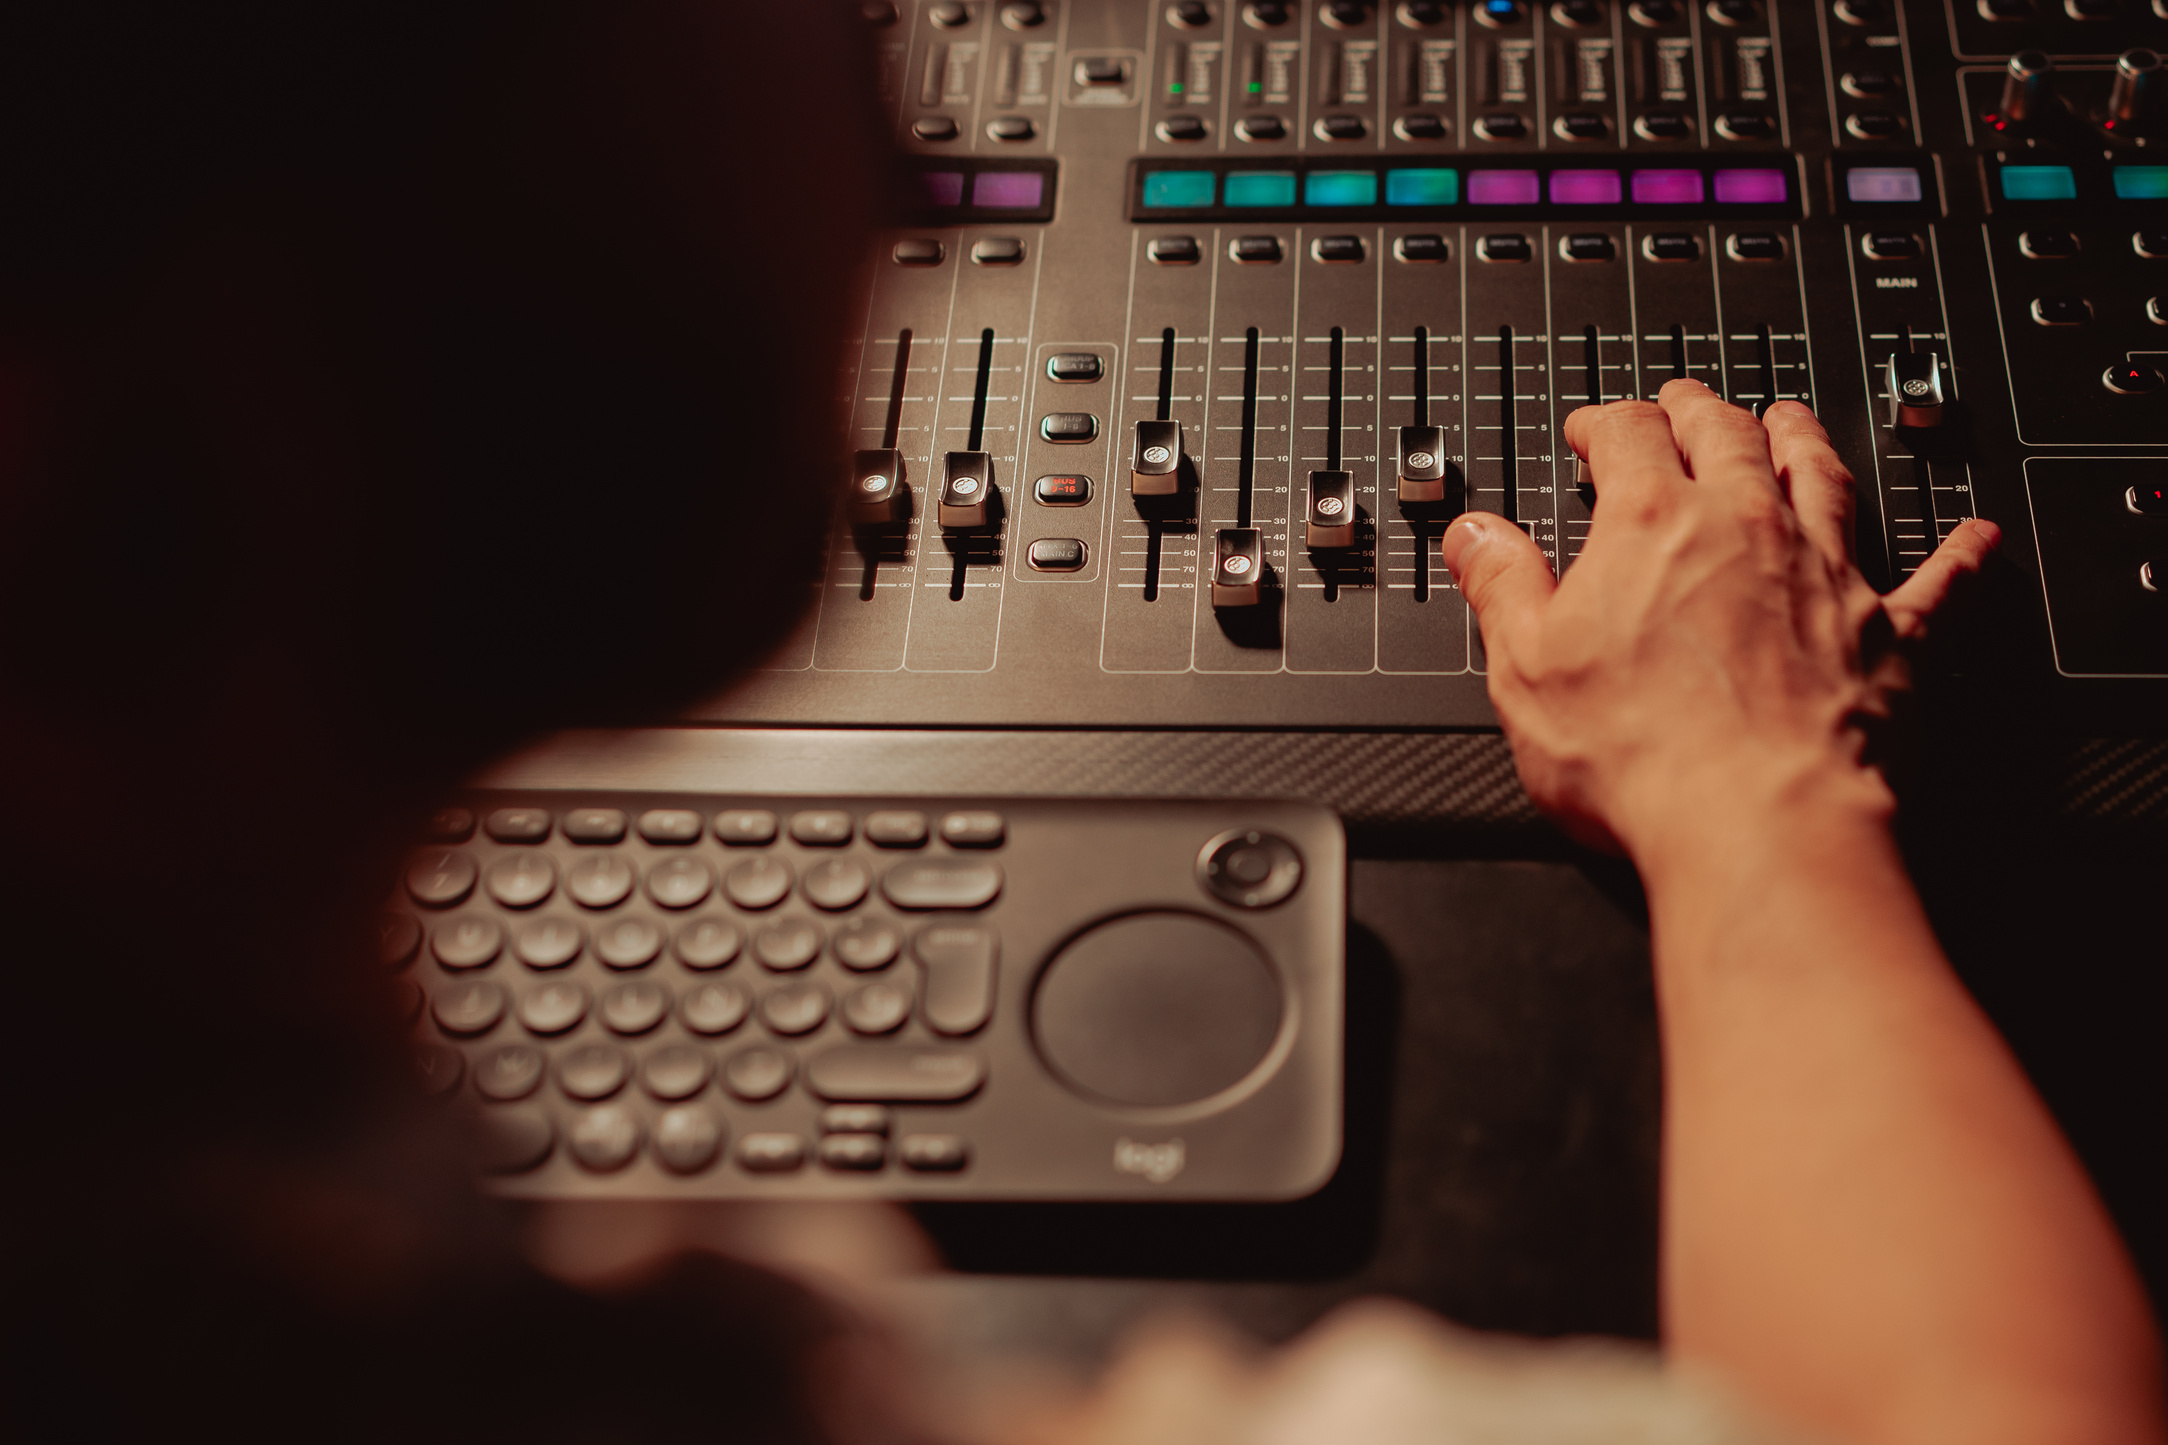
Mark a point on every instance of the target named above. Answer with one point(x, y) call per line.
point(1155, 459)
point(967, 489)
point(1915, 388)
point(876, 495)
point(1238, 567)
point(1330, 521)
point(1422, 464)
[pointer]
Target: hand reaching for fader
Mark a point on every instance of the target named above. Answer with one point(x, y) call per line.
point(1714, 648)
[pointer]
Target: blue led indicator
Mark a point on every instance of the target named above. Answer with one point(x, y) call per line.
point(1177, 190)
point(1340, 188)
point(1424, 187)
point(1260, 188)
point(2039, 183)
point(2139, 183)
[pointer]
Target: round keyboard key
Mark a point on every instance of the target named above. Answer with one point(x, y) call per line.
point(836, 883)
point(449, 825)
point(855, 1119)
point(398, 938)
point(467, 942)
point(755, 1074)
point(407, 998)
point(896, 828)
point(628, 943)
point(511, 1072)
point(714, 1008)
point(788, 943)
point(708, 943)
point(796, 1008)
point(760, 882)
point(595, 825)
point(522, 880)
point(470, 1007)
point(942, 1153)
point(978, 829)
point(879, 1007)
point(552, 1008)
point(513, 1141)
point(595, 1071)
point(770, 1153)
point(634, 1008)
point(687, 1138)
point(518, 825)
point(677, 1072)
point(671, 825)
point(548, 942)
point(439, 1068)
point(854, 1151)
point(600, 880)
point(745, 827)
point(867, 943)
point(821, 827)
point(604, 1139)
point(439, 878)
point(679, 882)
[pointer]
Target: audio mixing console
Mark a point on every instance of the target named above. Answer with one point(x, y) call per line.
point(1208, 315)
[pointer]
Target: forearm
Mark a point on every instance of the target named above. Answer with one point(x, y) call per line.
point(1871, 1223)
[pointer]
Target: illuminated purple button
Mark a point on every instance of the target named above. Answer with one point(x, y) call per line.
point(941, 188)
point(1008, 190)
point(1751, 188)
point(1883, 183)
point(1584, 188)
point(1667, 188)
point(1504, 188)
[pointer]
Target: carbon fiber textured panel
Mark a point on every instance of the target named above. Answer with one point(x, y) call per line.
point(2118, 780)
point(1372, 779)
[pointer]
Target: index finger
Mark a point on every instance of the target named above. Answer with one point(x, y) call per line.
point(1723, 444)
point(1629, 449)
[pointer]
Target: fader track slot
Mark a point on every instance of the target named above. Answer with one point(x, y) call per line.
point(1246, 479)
point(1508, 427)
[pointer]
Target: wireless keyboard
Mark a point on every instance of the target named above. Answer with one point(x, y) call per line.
point(657, 995)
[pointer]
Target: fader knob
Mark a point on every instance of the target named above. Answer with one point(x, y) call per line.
point(1155, 459)
point(877, 496)
point(2135, 97)
point(1345, 14)
point(2028, 86)
point(1914, 380)
point(1191, 14)
point(967, 491)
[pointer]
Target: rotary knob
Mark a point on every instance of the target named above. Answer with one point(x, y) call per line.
point(2134, 98)
point(2028, 87)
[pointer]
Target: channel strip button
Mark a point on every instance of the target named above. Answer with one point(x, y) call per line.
point(895, 1074)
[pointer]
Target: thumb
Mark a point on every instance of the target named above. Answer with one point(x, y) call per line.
point(1962, 554)
point(1501, 571)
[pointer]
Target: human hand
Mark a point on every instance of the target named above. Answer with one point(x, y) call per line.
point(1714, 651)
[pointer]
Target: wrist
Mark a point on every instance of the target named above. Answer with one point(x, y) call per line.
point(1729, 821)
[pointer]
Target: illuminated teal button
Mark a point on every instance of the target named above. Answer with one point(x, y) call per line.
point(1340, 188)
point(2039, 183)
point(1260, 188)
point(2140, 183)
point(1422, 188)
point(1177, 190)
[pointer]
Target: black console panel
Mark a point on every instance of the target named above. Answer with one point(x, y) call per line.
point(1209, 315)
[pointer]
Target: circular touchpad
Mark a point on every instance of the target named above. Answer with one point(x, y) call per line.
point(1157, 1008)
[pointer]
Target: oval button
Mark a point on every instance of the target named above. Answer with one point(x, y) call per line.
point(895, 1073)
point(954, 883)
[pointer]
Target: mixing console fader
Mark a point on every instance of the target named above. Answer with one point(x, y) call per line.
point(1204, 318)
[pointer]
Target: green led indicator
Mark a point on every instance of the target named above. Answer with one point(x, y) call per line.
point(1174, 87)
point(1255, 87)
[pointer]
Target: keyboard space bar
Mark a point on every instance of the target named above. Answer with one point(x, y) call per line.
point(895, 1074)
